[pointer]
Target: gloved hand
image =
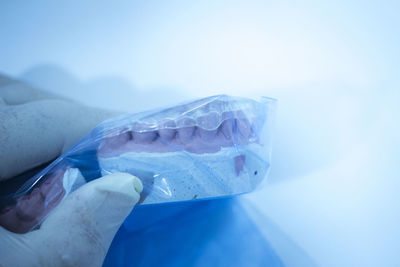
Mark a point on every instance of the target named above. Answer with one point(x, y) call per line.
point(35, 128)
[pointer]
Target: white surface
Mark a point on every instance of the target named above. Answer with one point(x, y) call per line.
point(180, 176)
point(334, 185)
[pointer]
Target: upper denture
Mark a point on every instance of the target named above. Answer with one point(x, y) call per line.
point(207, 133)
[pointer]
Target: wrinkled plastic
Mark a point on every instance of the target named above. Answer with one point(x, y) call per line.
point(209, 148)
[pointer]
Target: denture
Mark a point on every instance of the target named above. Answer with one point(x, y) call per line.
point(195, 136)
point(206, 149)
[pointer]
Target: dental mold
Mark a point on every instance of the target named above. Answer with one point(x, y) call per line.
point(212, 147)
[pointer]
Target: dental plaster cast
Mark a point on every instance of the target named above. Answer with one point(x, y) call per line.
point(213, 147)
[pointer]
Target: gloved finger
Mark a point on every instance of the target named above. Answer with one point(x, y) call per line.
point(15, 250)
point(37, 132)
point(15, 92)
point(80, 230)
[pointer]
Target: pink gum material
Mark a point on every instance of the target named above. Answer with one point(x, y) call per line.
point(32, 208)
point(183, 135)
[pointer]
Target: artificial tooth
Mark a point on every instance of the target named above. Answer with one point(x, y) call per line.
point(206, 135)
point(227, 129)
point(167, 130)
point(143, 133)
point(186, 128)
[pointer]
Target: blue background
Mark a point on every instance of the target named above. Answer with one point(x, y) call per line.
point(332, 194)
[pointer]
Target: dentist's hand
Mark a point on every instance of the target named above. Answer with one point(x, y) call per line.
point(35, 128)
point(79, 231)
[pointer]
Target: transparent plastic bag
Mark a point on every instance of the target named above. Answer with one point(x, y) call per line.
point(209, 148)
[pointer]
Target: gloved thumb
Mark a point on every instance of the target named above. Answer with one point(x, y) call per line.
point(79, 231)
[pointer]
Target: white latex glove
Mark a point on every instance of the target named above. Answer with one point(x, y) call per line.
point(79, 231)
point(36, 127)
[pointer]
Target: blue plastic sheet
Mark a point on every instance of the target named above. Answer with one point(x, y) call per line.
point(214, 232)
